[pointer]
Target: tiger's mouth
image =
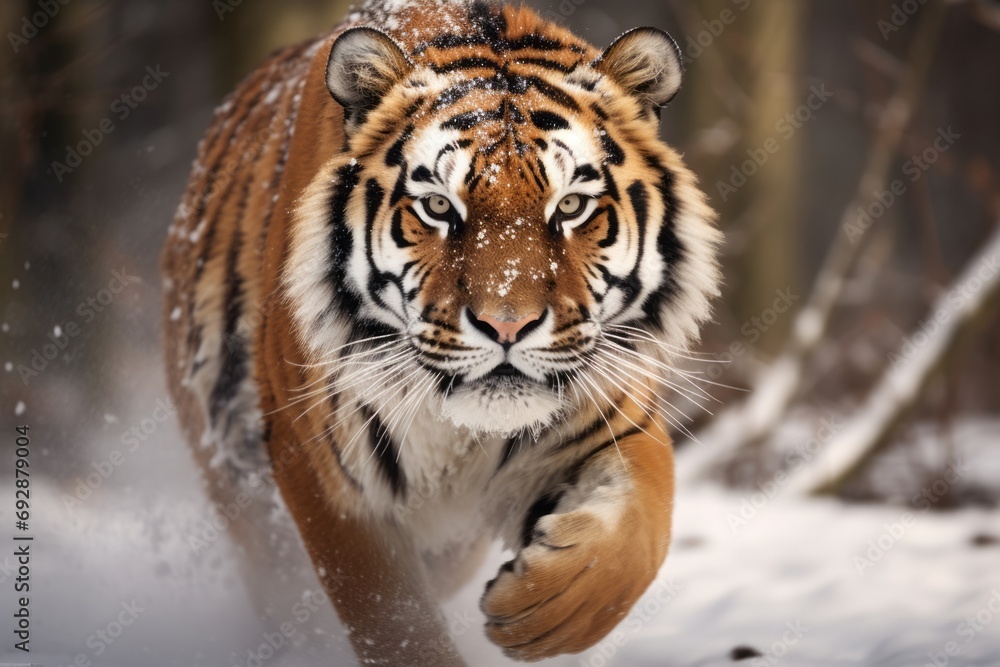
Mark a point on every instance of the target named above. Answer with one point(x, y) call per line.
point(502, 401)
point(506, 372)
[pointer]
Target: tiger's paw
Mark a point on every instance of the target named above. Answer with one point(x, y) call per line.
point(576, 578)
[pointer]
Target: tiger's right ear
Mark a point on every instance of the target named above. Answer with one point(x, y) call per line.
point(364, 65)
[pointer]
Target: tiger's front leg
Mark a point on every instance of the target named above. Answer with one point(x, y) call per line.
point(371, 573)
point(584, 565)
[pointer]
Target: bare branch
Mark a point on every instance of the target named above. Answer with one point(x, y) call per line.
point(754, 420)
point(922, 356)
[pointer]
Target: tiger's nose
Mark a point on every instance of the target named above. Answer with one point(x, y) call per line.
point(505, 331)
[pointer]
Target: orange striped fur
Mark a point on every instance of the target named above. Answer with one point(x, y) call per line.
point(428, 274)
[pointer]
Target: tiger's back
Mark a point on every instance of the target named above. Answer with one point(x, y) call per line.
point(214, 278)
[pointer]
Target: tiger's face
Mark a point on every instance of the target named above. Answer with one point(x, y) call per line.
point(494, 217)
point(504, 211)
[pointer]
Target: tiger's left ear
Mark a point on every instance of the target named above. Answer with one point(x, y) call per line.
point(364, 65)
point(645, 62)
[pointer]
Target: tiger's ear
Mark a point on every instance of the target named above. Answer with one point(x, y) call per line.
point(364, 65)
point(645, 62)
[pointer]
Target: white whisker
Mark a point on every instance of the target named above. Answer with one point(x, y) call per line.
point(617, 351)
point(597, 388)
point(597, 407)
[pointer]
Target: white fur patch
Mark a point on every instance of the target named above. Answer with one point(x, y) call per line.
point(502, 410)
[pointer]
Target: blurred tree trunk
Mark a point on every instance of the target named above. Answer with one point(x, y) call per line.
point(770, 160)
point(705, 54)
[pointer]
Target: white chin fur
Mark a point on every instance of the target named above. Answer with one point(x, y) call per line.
point(502, 410)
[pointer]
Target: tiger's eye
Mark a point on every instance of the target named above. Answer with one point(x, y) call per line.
point(570, 204)
point(438, 205)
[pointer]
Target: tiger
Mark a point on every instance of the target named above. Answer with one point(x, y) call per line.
point(429, 275)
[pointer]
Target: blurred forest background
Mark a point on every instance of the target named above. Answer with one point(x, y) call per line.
point(799, 117)
point(850, 148)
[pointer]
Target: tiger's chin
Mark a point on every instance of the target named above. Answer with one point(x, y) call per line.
point(502, 407)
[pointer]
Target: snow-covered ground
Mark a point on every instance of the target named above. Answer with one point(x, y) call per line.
point(806, 583)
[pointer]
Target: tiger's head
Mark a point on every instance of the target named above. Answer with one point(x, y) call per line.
point(504, 209)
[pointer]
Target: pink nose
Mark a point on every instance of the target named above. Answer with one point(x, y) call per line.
point(507, 330)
